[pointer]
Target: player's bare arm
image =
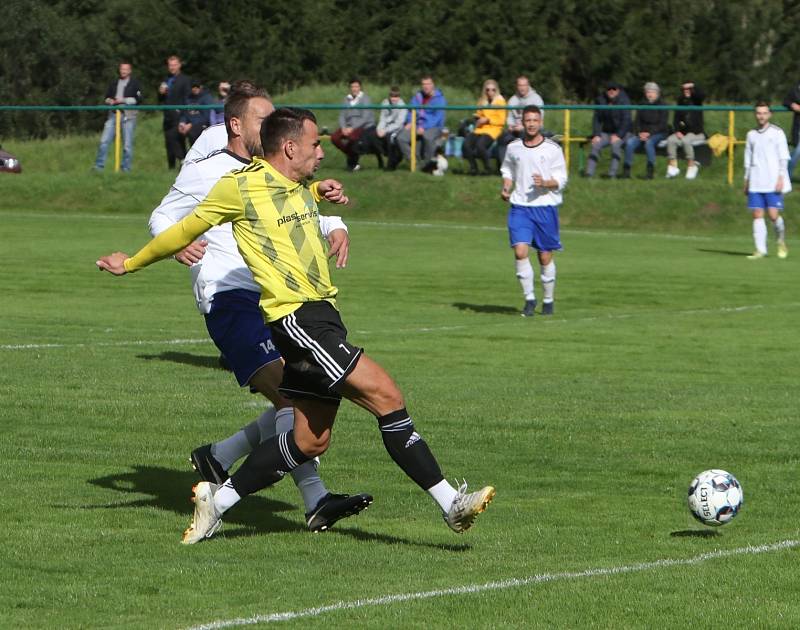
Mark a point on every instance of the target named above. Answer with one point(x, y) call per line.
point(505, 192)
point(114, 263)
point(339, 241)
point(333, 192)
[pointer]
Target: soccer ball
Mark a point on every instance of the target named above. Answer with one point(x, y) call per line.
point(715, 497)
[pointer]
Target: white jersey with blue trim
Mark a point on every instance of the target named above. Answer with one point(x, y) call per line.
point(523, 162)
point(222, 268)
point(766, 157)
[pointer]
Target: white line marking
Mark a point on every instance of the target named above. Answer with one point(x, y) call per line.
point(500, 585)
point(143, 342)
point(391, 224)
point(422, 329)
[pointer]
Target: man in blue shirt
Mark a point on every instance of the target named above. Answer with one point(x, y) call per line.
point(429, 122)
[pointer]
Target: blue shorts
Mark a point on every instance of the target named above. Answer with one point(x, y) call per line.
point(534, 225)
point(237, 327)
point(762, 201)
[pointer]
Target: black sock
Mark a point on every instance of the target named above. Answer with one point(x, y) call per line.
point(267, 464)
point(408, 449)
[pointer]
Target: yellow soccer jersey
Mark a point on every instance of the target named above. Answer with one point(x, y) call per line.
point(275, 223)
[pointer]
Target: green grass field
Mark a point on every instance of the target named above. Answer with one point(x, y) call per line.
point(669, 353)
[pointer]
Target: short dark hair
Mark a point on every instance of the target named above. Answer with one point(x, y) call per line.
point(238, 99)
point(285, 123)
point(394, 91)
point(762, 103)
point(354, 80)
point(531, 108)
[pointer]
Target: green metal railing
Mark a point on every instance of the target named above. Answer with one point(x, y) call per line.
point(567, 137)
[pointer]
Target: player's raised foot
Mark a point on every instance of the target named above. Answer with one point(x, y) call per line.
point(756, 255)
point(206, 521)
point(466, 506)
point(783, 251)
point(207, 465)
point(547, 308)
point(335, 507)
point(529, 309)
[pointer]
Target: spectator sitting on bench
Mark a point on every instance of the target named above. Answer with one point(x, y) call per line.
point(689, 130)
point(429, 122)
point(380, 140)
point(609, 127)
point(524, 96)
point(353, 123)
point(650, 127)
point(488, 127)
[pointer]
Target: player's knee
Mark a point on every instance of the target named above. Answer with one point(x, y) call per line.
point(313, 445)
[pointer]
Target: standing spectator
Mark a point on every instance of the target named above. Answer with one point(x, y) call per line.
point(488, 127)
point(217, 116)
point(609, 127)
point(650, 127)
point(429, 121)
point(174, 90)
point(534, 175)
point(689, 129)
point(123, 91)
point(194, 121)
point(766, 179)
point(792, 102)
point(524, 96)
point(353, 122)
point(380, 140)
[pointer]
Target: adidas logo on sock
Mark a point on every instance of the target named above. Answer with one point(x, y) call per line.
point(415, 437)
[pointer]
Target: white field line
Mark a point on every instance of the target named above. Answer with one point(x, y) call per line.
point(500, 585)
point(388, 224)
point(105, 344)
point(418, 330)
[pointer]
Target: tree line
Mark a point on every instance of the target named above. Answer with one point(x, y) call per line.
point(64, 52)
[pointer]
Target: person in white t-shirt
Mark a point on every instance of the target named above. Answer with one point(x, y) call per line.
point(228, 297)
point(534, 174)
point(766, 180)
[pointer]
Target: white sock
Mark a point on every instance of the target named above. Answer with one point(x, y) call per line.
point(305, 476)
point(760, 234)
point(226, 497)
point(780, 228)
point(525, 277)
point(444, 494)
point(548, 282)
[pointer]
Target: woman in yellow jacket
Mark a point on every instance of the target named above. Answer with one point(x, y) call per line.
point(489, 125)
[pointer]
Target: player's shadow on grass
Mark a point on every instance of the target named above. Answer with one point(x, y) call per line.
point(486, 308)
point(725, 252)
point(196, 360)
point(695, 533)
point(363, 536)
point(170, 490)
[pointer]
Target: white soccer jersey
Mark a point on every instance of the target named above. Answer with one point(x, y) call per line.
point(766, 156)
point(222, 268)
point(212, 139)
point(522, 163)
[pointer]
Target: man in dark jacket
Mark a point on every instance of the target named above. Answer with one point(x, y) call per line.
point(650, 127)
point(792, 102)
point(123, 91)
point(609, 127)
point(193, 121)
point(174, 90)
point(689, 129)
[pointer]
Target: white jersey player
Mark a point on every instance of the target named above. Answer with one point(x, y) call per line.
point(766, 180)
point(534, 174)
point(228, 297)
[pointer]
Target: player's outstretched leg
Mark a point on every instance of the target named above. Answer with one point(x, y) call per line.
point(370, 387)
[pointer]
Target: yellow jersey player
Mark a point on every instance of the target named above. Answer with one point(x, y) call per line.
point(276, 226)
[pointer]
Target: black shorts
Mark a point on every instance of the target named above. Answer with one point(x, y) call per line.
point(313, 342)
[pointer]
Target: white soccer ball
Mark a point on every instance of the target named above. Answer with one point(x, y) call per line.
point(715, 497)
